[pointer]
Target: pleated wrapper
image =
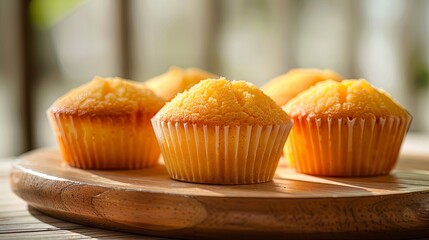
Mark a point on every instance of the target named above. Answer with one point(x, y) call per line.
point(106, 142)
point(346, 147)
point(213, 154)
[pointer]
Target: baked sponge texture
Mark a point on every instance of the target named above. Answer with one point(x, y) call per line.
point(105, 124)
point(347, 128)
point(176, 80)
point(222, 132)
point(285, 87)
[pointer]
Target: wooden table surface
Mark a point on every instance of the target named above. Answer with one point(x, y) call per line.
point(18, 221)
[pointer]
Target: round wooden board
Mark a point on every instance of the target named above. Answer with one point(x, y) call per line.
point(291, 206)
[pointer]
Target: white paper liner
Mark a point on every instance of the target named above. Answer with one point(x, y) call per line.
point(105, 143)
point(346, 146)
point(220, 154)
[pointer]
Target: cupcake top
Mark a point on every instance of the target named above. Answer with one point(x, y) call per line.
point(108, 96)
point(176, 80)
point(285, 87)
point(349, 98)
point(221, 102)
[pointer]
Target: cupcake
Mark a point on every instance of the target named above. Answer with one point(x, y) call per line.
point(221, 132)
point(176, 80)
point(347, 129)
point(105, 124)
point(285, 87)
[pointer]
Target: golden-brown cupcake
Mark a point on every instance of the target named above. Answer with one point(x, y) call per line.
point(105, 124)
point(285, 87)
point(222, 132)
point(346, 128)
point(176, 80)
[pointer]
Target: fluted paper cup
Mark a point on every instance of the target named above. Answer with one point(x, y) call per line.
point(348, 147)
point(106, 142)
point(220, 154)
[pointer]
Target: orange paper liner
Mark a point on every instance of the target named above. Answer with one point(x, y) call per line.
point(348, 147)
point(93, 142)
point(220, 154)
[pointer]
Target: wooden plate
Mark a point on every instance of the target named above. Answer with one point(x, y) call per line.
point(292, 206)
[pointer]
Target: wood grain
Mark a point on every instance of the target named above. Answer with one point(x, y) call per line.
point(19, 221)
point(292, 206)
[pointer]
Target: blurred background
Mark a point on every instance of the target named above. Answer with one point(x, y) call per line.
point(48, 47)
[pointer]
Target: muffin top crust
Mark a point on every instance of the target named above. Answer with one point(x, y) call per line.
point(285, 87)
point(348, 98)
point(176, 80)
point(108, 96)
point(222, 102)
